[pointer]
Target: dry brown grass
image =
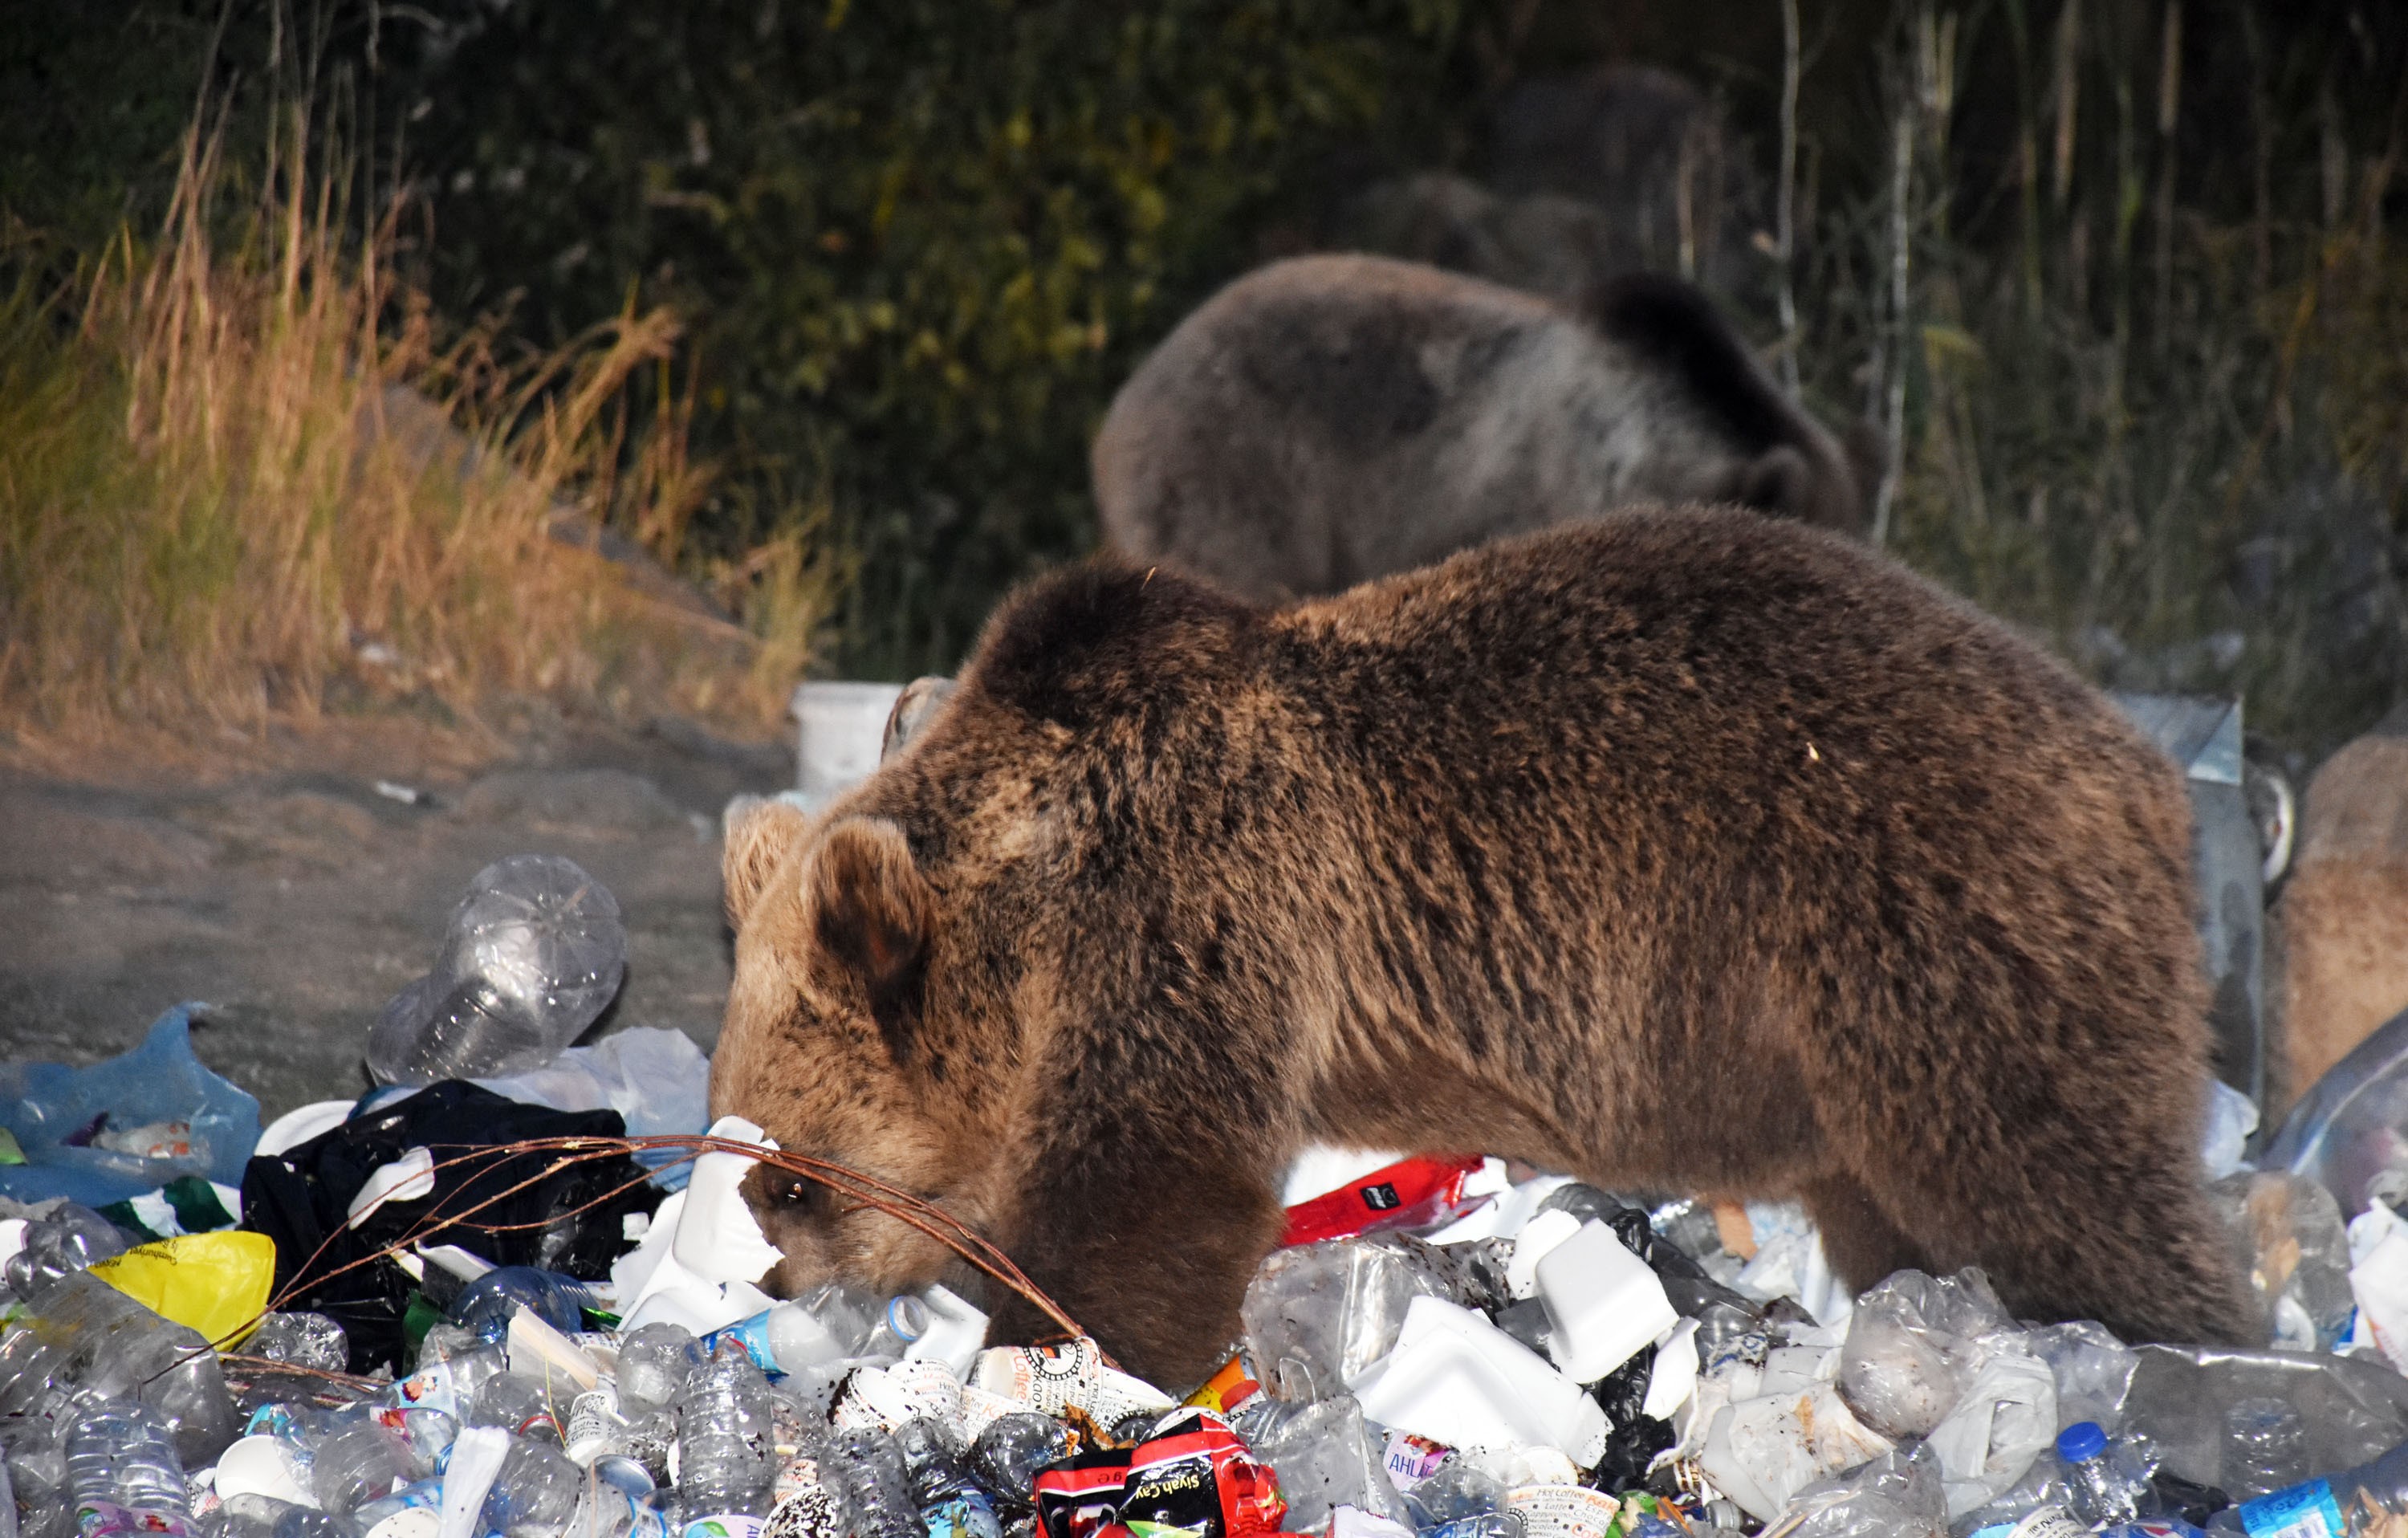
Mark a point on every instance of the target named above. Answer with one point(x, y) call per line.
point(244, 483)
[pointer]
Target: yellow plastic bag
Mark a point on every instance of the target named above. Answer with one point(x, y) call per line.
point(215, 1283)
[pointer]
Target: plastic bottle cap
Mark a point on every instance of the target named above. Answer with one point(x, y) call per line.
point(2081, 1442)
point(907, 1317)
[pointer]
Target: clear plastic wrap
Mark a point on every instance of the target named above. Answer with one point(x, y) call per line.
point(1318, 1315)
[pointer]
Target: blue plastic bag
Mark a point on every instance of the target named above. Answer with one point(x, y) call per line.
point(128, 1125)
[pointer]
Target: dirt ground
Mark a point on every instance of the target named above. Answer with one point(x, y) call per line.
point(277, 884)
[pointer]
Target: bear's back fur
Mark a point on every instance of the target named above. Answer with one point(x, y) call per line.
point(1328, 420)
point(1680, 851)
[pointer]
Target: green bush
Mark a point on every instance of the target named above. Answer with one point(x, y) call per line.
point(920, 241)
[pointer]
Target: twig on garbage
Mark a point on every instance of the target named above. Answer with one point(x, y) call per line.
point(306, 1275)
point(896, 1202)
point(257, 1367)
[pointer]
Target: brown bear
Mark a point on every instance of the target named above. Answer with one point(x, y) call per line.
point(1681, 850)
point(1331, 419)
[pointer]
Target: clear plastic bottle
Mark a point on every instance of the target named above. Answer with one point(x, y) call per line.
point(2265, 1447)
point(786, 1338)
point(449, 1384)
point(724, 1430)
point(867, 1467)
point(933, 1462)
point(1008, 1454)
point(422, 1493)
point(1488, 1524)
point(521, 1406)
point(2101, 1491)
point(655, 1363)
point(122, 1452)
point(900, 1326)
point(847, 1313)
point(485, 1305)
point(534, 953)
point(2341, 1506)
point(304, 1340)
point(536, 1488)
point(1456, 1493)
point(70, 1239)
point(952, 1506)
point(99, 1343)
point(359, 1460)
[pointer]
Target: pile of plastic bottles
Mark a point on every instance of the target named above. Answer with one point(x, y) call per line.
point(1441, 1347)
point(1536, 1359)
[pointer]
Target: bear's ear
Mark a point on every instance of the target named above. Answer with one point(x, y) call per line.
point(755, 832)
point(871, 912)
point(1777, 481)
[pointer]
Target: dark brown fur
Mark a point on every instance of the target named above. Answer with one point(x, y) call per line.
point(1684, 850)
point(1332, 419)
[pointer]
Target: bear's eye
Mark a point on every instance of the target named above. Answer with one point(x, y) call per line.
point(794, 1191)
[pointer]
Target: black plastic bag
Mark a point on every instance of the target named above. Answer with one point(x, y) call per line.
point(1637, 1437)
point(568, 1219)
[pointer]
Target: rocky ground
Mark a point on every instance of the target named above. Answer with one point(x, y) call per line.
point(288, 892)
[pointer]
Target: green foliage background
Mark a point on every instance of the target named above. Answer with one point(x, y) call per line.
point(921, 241)
point(2145, 378)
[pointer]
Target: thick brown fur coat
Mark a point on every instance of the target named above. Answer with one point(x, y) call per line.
point(1328, 420)
point(1680, 850)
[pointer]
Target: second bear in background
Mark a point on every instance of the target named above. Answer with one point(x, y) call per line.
point(1332, 419)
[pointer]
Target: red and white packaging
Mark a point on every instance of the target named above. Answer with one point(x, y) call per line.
point(1409, 1194)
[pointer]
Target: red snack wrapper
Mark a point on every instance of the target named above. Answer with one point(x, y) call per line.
point(1081, 1496)
point(1408, 1194)
point(1195, 1478)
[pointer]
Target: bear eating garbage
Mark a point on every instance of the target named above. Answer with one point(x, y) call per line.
point(1684, 850)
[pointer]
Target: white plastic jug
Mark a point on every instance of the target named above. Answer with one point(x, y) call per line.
point(717, 1239)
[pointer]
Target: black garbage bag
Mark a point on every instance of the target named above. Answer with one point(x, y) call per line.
point(568, 1219)
point(1635, 1437)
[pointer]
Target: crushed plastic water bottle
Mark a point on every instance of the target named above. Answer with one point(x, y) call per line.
point(533, 954)
point(869, 1473)
point(71, 1237)
point(655, 1363)
point(301, 1339)
point(86, 1337)
point(485, 1305)
point(724, 1420)
point(1014, 1447)
point(2104, 1488)
point(2265, 1447)
point(121, 1452)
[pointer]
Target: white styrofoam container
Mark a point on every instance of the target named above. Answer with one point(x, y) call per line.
point(1603, 1302)
point(838, 731)
point(1456, 1378)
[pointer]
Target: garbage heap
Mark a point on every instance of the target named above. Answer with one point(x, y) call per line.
point(412, 1316)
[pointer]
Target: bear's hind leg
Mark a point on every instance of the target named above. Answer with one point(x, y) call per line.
point(1858, 1238)
point(2078, 1226)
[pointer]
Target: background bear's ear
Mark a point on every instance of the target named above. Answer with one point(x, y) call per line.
point(754, 832)
point(872, 910)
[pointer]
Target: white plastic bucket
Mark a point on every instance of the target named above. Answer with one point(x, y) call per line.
point(839, 728)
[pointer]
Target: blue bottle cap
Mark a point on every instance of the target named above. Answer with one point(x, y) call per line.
point(2081, 1442)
